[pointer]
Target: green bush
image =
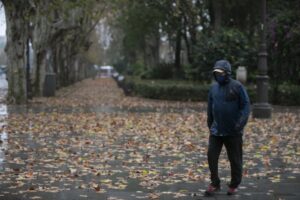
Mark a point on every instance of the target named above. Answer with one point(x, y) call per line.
point(251, 93)
point(161, 71)
point(169, 90)
point(283, 33)
point(230, 44)
point(284, 94)
point(136, 69)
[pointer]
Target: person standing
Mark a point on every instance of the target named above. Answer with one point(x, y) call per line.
point(227, 114)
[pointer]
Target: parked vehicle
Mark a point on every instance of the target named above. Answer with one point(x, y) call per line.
point(106, 71)
point(3, 69)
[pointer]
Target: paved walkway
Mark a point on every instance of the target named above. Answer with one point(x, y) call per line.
point(92, 142)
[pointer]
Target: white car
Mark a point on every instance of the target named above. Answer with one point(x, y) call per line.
point(106, 71)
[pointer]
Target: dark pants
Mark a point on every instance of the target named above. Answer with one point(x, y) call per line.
point(234, 149)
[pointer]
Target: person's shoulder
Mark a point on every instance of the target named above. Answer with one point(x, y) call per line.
point(213, 85)
point(236, 83)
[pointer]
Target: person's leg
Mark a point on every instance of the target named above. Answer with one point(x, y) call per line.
point(234, 148)
point(214, 150)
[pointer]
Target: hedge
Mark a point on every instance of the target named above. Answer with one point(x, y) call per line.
point(168, 90)
point(195, 91)
point(286, 94)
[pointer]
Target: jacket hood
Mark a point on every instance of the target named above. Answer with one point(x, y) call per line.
point(224, 65)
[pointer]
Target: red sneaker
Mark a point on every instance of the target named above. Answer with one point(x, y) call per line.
point(231, 191)
point(211, 190)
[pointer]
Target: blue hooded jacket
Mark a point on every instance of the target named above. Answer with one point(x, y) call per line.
point(228, 105)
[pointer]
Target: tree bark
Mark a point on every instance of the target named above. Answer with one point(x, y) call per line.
point(42, 32)
point(28, 66)
point(52, 33)
point(217, 14)
point(191, 41)
point(16, 13)
point(152, 50)
point(178, 53)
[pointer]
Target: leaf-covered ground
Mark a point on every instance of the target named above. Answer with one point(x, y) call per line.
point(92, 142)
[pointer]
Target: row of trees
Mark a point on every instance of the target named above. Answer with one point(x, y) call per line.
point(200, 28)
point(207, 30)
point(58, 32)
point(198, 32)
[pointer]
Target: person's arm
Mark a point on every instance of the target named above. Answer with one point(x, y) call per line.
point(244, 108)
point(210, 117)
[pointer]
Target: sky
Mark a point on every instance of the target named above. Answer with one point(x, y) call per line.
point(2, 21)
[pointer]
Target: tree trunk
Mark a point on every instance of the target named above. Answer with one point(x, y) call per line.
point(217, 14)
point(190, 42)
point(178, 54)
point(190, 12)
point(152, 50)
point(50, 29)
point(41, 46)
point(17, 35)
point(28, 66)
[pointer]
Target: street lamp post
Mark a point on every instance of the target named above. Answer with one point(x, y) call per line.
point(262, 109)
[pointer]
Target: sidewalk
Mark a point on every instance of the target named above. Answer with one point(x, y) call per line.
point(92, 142)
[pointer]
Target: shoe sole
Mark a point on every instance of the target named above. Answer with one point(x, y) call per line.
point(230, 194)
point(209, 194)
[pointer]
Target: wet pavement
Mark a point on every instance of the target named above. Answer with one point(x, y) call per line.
point(130, 152)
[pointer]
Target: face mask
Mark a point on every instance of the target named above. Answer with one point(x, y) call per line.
point(220, 79)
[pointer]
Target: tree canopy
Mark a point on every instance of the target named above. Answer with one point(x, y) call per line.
point(207, 30)
point(161, 38)
point(59, 32)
